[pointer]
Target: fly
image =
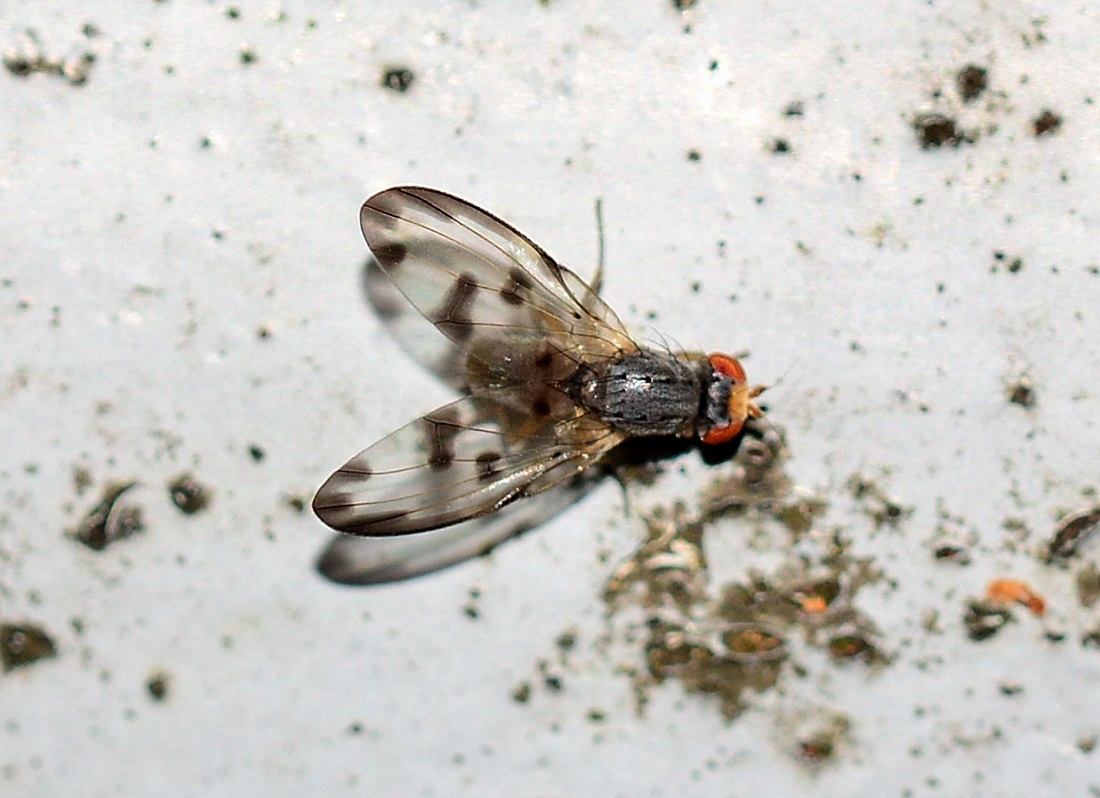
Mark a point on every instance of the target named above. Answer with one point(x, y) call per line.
point(550, 379)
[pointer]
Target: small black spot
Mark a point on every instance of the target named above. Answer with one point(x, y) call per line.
point(971, 81)
point(20, 66)
point(390, 255)
point(454, 318)
point(694, 156)
point(157, 685)
point(780, 146)
point(256, 453)
point(1022, 394)
point(541, 406)
point(544, 361)
point(1046, 123)
point(397, 79)
point(517, 279)
point(487, 464)
point(937, 130)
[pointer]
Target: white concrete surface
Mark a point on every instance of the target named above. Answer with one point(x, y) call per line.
point(156, 218)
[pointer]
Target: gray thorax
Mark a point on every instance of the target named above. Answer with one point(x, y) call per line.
point(647, 393)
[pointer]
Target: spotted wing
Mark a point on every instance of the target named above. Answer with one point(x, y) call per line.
point(483, 284)
point(411, 329)
point(461, 461)
point(350, 560)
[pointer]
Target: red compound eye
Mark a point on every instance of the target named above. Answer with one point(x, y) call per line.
point(738, 401)
point(731, 367)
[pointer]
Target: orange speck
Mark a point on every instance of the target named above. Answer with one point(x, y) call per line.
point(814, 604)
point(1008, 591)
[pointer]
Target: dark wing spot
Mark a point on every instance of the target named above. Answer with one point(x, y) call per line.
point(487, 464)
point(440, 430)
point(517, 281)
point(544, 361)
point(390, 255)
point(541, 406)
point(453, 318)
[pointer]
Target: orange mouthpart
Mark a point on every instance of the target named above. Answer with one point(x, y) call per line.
point(741, 407)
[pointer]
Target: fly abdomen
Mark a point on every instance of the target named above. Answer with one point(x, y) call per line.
point(647, 393)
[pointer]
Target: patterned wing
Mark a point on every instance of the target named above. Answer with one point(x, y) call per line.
point(349, 560)
point(485, 285)
point(412, 330)
point(464, 460)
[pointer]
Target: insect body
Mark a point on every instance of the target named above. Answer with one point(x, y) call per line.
point(551, 379)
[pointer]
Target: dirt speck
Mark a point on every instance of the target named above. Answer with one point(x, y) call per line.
point(936, 130)
point(157, 686)
point(736, 641)
point(75, 71)
point(881, 508)
point(1015, 591)
point(983, 619)
point(110, 520)
point(817, 735)
point(971, 81)
point(521, 693)
point(188, 494)
point(1021, 392)
point(23, 644)
point(1046, 124)
point(82, 480)
point(296, 501)
point(397, 78)
point(1072, 531)
point(1088, 585)
point(1001, 260)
